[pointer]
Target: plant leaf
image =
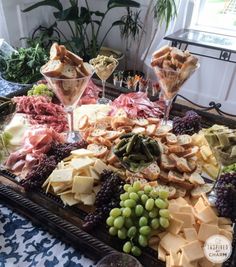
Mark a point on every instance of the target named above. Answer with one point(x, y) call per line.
point(85, 15)
point(53, 3)
point(99, 14)
point(118, 23)
point(122, 3)
point(69, 14)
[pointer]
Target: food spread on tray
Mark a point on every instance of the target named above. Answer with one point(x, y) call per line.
point(143, 180)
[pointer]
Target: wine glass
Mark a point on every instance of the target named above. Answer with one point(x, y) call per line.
point(170, 81)
point(119, 260)
point(69, 92)
point(221, 143)
point(104, 67)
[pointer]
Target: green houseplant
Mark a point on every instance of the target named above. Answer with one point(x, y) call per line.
point(81, 20)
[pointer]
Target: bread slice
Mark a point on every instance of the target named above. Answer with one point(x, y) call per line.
point(171, 139)
point(198, 191)
point(176, 177)
point(54, 51)
point(53, 68)
point(167, 163)
point(99, 151)
point(184, 140)
point(63, 51)
point(196, 178)
point(69, 72)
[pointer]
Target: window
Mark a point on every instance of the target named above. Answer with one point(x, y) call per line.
point(217, 16)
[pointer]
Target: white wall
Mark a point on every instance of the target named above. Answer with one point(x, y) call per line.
point(215, 80)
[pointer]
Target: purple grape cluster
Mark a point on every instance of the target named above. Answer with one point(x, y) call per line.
point(107, 198)
point(226, 195)
point(189, 124)
point(39, 173)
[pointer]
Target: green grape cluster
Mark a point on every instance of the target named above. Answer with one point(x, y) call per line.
point(40, 89)
point(141, 212)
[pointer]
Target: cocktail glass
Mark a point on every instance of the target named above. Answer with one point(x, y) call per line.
point(69, 92)
point(119, 260)
point(104, 72)
point(170, 82)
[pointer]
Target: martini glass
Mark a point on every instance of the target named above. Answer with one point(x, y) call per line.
point(69, 92)
point(170, 83)
point(104, 71)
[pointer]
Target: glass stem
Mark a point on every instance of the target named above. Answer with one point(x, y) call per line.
point(167, 111)
point(103, 88)
point(71, 120)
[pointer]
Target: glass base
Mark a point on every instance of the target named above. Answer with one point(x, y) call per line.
point(73, 137)
point(104, 100)
point(212, 197)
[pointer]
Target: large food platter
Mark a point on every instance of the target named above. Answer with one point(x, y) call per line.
point(65, 223)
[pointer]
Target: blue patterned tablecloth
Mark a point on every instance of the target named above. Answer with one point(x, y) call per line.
point(23, 245)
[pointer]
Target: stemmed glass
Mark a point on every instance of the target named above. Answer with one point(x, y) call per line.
point(69, 92)
point(170, 81)
point(104, 70)
point(221, 143)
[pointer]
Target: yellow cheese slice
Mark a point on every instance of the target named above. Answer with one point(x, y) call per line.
point(87, 199)
point(68, 199)
point(82, 185)
point(193, 251)
point(207, 230)
point(223, 220)
point(227, 234)
point(62, 175)
point(100, 166)
point(82, 152)
point(184, 262)
point(80, 163)
point(190, 234)
point(187, 218)
point(172, 242)
point(161, 253)
point(207, 215)
point(93, 173)
point(174, 259)
point(175, 226)
point(204, 262)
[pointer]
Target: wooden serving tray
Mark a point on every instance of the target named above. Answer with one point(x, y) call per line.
point(48, 211)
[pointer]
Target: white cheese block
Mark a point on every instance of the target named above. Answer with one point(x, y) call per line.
point(87, 199)
point(172, 242)
point(187, 218)
point(82, 152)
point(62, 175)
point(80, 163)
point(223, 220)
point(93, 173)
point(184, 262)
point(68, 199)
point(207, 215)
point(207, 230)
point(174, 259)
point(175, 226)
point(100, 166)
point(161, 253)
point(193, 251)
point(82, 185)
point(190, 234)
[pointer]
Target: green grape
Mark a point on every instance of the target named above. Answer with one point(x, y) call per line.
point(126, 212)
point(130, 189)
point(126, 187)
point(153, 213)
point(133, 196)
point(143, 221)
point(164, 213)
point(127, 247)
point(142, 240)
point(129, 203)
point(128, 223)
point(137, 186)
point(124, 196)
point(145, 230)
point(132, 232)
point(163, 194)
point(140, 193)
point(147, 189)
point(122, 203)
point(113, 231)
point(160, 203)
point(155, 224)
point(144, 198)
point(115, 212)
point(119, 222)
point(149, 204)
point(136, 251)
point(139, 210)
point(110, 221)
point(164, 222)
point(154, 194)
point(122, 233)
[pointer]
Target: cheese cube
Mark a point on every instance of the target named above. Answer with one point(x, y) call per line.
point(68, 199)
point(184, 262)
point(207, 230)
point(207, 215)
point(193, 251)
point(190, 234)
point(172, 242)
point(62, 175)
point(82, 185)
point(187, 218)
point(161, 253)
point(175, 226)
point(173, 207)
point(82, 153)
point(80, 163)
point(204, 262)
